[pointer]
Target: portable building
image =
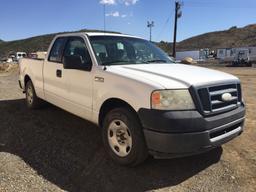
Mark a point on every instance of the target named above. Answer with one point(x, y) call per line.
point(197, 55)
point(229, 54)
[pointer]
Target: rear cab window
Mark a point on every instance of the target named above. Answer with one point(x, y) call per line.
point(57, 50)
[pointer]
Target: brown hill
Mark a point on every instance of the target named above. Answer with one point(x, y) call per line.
point(33, 44)
point(234, 37)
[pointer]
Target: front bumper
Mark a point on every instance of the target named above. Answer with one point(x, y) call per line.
point(182, 133)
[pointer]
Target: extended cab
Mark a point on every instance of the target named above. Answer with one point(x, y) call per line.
point(143, 101)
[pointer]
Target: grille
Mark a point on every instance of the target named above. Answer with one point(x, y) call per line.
point(211, 98)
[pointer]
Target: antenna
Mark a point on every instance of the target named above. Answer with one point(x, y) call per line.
point(150, 25)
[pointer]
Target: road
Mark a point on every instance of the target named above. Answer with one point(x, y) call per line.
point(53, 150)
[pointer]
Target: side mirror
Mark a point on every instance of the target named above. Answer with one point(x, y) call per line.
point(172, 58)
point(75, 62)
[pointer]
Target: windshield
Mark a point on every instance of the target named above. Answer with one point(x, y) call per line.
point(117, 50)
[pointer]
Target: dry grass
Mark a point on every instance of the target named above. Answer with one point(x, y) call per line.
point(8, 67)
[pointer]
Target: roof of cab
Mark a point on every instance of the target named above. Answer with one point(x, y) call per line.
point(107, 34)
point(90, 34)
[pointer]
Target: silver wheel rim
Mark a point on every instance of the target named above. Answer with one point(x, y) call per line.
point(30, 95)
point(119, 138)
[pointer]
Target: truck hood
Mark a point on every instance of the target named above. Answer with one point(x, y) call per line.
point(174, 75)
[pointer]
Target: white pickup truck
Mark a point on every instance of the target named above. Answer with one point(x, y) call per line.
point(143, 102)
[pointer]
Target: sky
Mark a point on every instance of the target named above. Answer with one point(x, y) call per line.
point(27, 18)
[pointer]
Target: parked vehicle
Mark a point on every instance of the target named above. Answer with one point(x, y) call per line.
point(37, 55)
point(242, 58)
point(143, 102)
point(20, 55)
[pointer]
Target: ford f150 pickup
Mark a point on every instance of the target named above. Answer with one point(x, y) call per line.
point(143, 101)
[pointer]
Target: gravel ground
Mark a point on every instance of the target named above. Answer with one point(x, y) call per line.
point(52, 150)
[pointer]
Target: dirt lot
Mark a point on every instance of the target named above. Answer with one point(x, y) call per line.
point(52, 150)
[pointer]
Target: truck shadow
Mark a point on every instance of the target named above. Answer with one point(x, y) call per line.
point(68, 152)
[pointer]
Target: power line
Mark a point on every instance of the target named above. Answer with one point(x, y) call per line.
point(165, 25)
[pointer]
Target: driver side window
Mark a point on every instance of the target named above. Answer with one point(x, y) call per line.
point(76, 47)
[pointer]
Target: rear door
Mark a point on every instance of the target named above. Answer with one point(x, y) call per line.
point(54, 83)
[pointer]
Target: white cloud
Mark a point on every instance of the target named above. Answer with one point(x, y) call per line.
point(112, 2)
point(108, 2)
point(114, 14)
point(130, 2)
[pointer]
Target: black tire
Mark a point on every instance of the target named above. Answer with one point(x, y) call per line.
point(138, 152)
point(32, 101)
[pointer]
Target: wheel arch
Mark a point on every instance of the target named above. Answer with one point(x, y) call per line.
point(110, 104)
point(26, 79)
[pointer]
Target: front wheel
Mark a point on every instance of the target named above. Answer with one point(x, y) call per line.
point(123, 137)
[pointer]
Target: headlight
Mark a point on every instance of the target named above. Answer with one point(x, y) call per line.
point(172, 100)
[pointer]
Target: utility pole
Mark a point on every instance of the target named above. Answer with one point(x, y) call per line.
point(104, 7)
point(178, 14)
point(150, 25)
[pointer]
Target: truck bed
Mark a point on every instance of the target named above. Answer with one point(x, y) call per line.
point(33, 67)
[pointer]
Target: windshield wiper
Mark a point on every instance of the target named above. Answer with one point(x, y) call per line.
point(156, 61)
point(114, 62)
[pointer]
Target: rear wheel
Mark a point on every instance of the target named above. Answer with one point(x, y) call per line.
point(123, 137)
point(33, 102)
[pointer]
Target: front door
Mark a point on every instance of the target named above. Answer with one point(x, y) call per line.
point(79, 81)
point(54, 83)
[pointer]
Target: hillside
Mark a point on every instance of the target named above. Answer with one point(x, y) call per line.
point(38, 43)
point(233, 37)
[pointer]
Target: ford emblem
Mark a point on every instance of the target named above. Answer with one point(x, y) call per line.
point(226, 97)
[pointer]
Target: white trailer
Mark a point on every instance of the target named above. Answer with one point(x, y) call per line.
point(197, 55)
point(230, 54)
